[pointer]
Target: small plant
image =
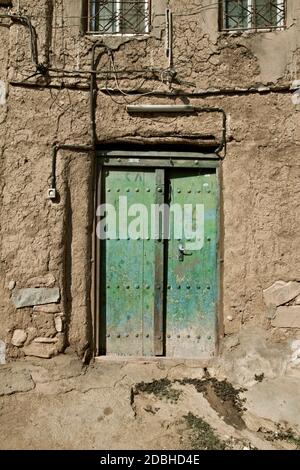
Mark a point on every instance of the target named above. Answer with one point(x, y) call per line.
point(162, 389)
point(284, 435)
point(260, 377)
point(203, 437)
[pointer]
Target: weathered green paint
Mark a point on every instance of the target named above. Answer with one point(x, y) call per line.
point(152, 300)
point(127, 300)
point(162, 163)
point(192, 289)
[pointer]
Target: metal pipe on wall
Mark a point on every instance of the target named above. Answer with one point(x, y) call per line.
point(25, 21)
point(52, 191)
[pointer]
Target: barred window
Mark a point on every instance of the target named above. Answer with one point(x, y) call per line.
point(119, 16)
point(248, 14)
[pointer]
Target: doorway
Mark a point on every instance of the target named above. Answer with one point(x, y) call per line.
point(158, 239)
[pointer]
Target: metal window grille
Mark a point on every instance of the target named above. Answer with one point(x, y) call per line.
point(256, 14)
point(119, 16)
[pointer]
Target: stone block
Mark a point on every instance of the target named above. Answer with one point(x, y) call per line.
point(50, 308)
point(42, 281)
point(281, 292)
point(295, 84)
point(58, 324)
point(287, 317)
point(43, 340)
point(45, 351)
point(2, 93)
point(296, 97)
point(295, 347)
point(2, 352)
point(18, 338)
point(297, 301)
point(11, 285)
point(35, 296)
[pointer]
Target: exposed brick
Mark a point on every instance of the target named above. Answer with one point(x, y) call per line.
point(30, 297)
point(281, 292)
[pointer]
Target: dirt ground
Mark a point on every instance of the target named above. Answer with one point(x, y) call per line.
point(62, 404)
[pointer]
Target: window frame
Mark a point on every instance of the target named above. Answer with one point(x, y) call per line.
point(117, 33)
point(250, 25)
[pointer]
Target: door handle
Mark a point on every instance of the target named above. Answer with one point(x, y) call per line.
point(182, 253)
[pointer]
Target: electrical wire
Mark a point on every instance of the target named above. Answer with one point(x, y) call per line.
point(111, 58)
point(128, 92)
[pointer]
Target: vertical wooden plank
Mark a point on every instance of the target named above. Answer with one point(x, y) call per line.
point(127, 269)
point(123, 275)
point(96, 278)
point(220, 332)
point(159, 270)
point(147, 198)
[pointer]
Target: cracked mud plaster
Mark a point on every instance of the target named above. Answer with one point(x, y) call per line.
point(260, 174)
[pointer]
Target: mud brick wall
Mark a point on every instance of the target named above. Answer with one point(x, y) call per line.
point(45, 247)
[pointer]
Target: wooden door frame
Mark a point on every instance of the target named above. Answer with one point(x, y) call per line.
point(153, 159)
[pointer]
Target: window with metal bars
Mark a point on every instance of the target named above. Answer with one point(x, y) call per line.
point(252, 14)
point(119, 16)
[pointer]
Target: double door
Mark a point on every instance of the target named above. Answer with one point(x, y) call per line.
point(158, 231)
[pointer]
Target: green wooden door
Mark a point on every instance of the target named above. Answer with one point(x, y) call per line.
point(127, 264)
point(160, 297)
point(192, 281)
